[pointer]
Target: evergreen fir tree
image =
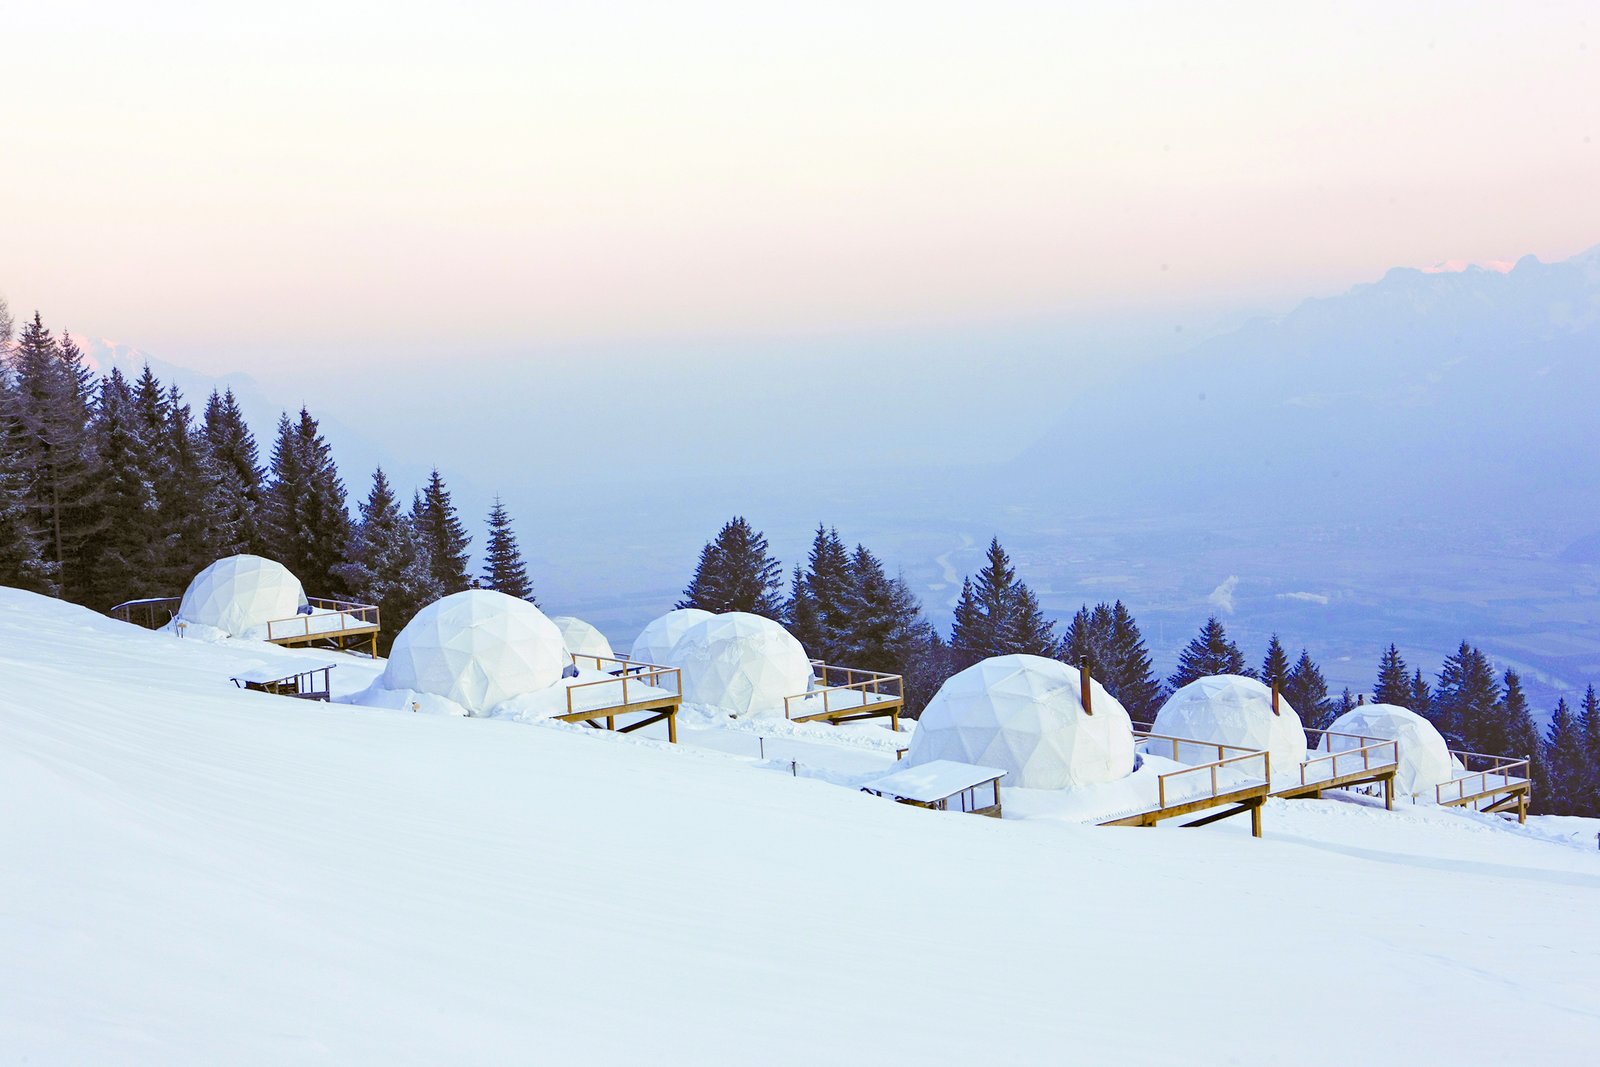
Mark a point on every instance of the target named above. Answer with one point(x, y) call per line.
point(1421, 697)
point(820, 600)
point(999, 615)
point(503, 566)
point(1521, 735)
point(1585, 789)
point(1107, 641)
point(1275, 665)
point(386, 562)
point(196, 512)
point(122, 564)
point(736, 573)
point(238, 460)
point(23, 563)
point(1465, 698)
point(887, 628)
point(1306, 690)
point(304, 514)
point(1208, 653)
point(50, 401)
point(1565, 764)
point(1394, 681)
point(443, 535)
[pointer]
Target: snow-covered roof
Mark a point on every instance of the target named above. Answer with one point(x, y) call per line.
point(1025, 715)
point(933, 781)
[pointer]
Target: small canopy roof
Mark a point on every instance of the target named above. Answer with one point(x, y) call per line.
point(264, 675)
point(934, 781)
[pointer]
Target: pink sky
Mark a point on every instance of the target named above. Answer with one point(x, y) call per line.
point(485, 175)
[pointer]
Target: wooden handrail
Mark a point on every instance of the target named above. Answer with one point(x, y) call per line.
point(877, 680)
point(1212, 768)
point(647, 674)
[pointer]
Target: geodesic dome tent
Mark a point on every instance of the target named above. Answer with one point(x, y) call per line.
point(1425, 759)
point(478, 648)
point(741, 662)
point(241, 593)
point(1025, 715)
point(1229, 709)
point(655, 641)
point(578, 636)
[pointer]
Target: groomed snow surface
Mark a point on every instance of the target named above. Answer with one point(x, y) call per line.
point(195, 874)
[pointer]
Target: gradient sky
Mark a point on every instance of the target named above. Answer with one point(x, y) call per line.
point(392, 178)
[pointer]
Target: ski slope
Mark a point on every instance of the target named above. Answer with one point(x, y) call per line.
point(194, 874)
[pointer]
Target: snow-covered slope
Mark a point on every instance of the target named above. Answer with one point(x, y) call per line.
point(195, 874)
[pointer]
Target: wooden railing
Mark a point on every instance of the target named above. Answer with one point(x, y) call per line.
point(351, 616)
point(152, 612)
point(623, 671)
point(1237, 761)
point(1497, 774)
point(1365, 754)
point(868, 688)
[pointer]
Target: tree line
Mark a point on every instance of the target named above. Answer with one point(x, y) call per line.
point(112, 490)
point(844, 608)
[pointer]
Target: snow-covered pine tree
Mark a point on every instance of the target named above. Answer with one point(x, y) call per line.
point(887, 628)
point(238, 460)
point(23, 562)
point(1586, 791)
point(1137, 687)
point(820, 599)
point(1420, 699)
point(1565, 764)
point(122, 564)
point(51, 406)
point(196, 509)
point(1394, 680)
point(1086, 642)
point(304, 514)
point(386, 563)
point(1208, 653)
point(1521, 735)
point(444, 535)
point(1464, 700)
point(503, 566)
point(736, 573)
point(1275, 665)
point(999, 615)
point(1307, 692)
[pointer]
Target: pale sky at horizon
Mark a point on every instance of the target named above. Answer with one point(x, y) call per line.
point(492, 176)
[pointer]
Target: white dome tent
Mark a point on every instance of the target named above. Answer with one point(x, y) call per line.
point(1230, 709)
point(1425, 760)
point(1025, 715)
point(582, 639)
point(655, 641)
point(477, 648)
point(240, 594)
point(740, 662)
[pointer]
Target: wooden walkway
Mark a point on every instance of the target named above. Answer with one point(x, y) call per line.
point(656, 693)
point(1495, 784)
point(1229, 785)
point(847, 694)
point(1344, 761)
point(341, 625)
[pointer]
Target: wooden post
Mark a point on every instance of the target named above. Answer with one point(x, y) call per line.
point(1388, 793)
point(672, 726)
point(1255, 820)
point(1083, 688)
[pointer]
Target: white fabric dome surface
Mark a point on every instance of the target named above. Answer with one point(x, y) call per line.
point(655, 641)
point(1025, 714)
point(478, 648)
point(580, 637)
point(241, 593)
point(1230, 709)
point(1425, 759)
point(740, 662)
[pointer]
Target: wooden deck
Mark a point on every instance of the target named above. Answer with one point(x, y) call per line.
point(1488, 784)
point(943, 785)
point(1237, 782)
point(302, 684)
point(1344, 761)
point(847, 694)
point(341, 625)
point(634, 688)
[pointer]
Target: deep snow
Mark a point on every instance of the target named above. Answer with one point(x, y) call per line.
point(193, 874)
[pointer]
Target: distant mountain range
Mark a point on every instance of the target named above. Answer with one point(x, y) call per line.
point(1420, 387)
